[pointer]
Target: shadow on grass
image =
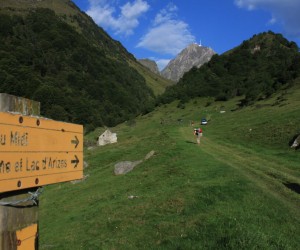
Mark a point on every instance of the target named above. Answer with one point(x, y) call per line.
point(191, 142)
point(293, 186)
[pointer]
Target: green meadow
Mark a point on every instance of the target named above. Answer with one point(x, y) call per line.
point(238, 189)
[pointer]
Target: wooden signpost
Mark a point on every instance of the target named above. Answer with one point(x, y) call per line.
point(34, 152)
point(37, 152)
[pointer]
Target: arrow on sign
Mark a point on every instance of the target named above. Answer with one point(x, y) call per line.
point(76, 141)
point(76, 161)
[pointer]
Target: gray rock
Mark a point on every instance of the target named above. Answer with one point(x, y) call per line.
point(296, 143)
point(125, 166)
point(150, 154)
point(107, 138)
point(80, 180)
point(132, 197)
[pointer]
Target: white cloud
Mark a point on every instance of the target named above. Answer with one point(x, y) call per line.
point(168, 34)
point(285, 12)
point(123, 20)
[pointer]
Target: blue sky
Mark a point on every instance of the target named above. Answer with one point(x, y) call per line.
point(160, 29)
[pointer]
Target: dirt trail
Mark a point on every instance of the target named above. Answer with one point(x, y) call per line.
point(270, 176)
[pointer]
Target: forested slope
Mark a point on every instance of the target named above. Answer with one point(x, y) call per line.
point(256, 69)
point(78, 75)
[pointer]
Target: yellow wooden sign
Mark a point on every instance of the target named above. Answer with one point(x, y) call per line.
point(26, 238)
point(36, 151)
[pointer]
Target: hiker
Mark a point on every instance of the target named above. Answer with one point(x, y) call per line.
point(198, 134)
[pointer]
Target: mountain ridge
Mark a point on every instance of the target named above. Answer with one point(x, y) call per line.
point(255, 69)
point(150, 64)
point(194, 55)
point(94, 34)
point(77, 72)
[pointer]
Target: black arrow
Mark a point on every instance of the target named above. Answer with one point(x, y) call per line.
point(76, 141)
point(76, 161)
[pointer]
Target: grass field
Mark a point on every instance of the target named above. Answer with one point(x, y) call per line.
point(238, 190)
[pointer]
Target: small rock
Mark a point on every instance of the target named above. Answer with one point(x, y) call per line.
point(132, 197)
point(296, 143)
point(150, 154)
point(83, 179)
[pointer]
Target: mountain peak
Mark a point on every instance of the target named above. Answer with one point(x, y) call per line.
point(194, 55)
point(150, 64)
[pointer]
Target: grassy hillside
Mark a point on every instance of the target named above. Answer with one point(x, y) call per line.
point(238, 190)
point(157, 83)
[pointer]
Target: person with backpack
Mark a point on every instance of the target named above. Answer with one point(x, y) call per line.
point(198, 134)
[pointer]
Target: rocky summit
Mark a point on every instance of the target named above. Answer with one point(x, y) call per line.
point(150, 64)
point(194, 55)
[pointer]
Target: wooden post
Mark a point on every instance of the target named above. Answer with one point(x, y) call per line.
point(34, 151)
point(19, 220)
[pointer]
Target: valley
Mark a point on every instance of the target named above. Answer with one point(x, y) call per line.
point(238, 189)
point(232, 191)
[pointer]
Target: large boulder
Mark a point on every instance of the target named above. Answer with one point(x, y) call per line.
point(107, 138)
